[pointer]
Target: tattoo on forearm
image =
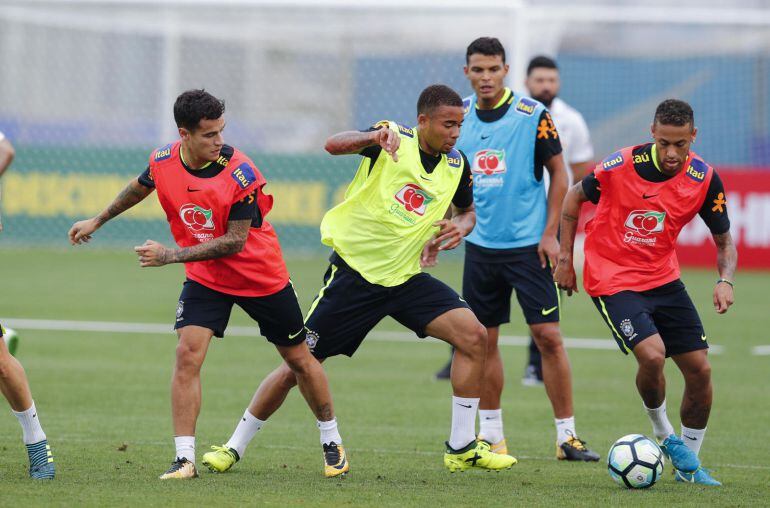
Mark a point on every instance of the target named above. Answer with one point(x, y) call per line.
point(352, 142)
point(230, 243)
point(127, 198)
point(727, 255)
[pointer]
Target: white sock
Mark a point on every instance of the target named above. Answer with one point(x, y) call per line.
point(463, 422)
point(661, 427)
point(329, 431)
point(185, 447)
point(30, 425)
point(565, 429)
point(244, 433)
point(491, 425)
point(693, 438)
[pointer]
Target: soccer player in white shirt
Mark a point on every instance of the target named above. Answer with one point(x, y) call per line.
point(543, 84)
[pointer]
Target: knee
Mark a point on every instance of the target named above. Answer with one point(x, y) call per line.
point(473, 341)
point(187, 359)
point(652, 362)
point(549, 342)
point(6, 369)
point(701, 374)
point(286, 376)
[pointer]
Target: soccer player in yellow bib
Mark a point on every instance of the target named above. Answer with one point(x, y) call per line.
point(390, 225)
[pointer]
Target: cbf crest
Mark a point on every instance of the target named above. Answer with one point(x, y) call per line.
point(627, 328)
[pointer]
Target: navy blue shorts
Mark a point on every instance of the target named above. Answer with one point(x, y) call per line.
point(668, 310)
point(278, 315)
point(348, 307)
point(490, 276)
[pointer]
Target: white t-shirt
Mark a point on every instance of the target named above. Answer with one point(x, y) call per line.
point(572, 128)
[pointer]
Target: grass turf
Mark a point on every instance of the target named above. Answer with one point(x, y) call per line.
point(103, 399)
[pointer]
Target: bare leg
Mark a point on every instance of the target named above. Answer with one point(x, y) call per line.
point(651, 356)
point(309, 375)
point(13, 381)
point(557, 375)
point(493, 373)
point(698, 392)
point(186, 383)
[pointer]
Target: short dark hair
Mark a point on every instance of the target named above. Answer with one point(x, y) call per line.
point(489, 46)
point(435, 96)
point(541, 61)
point(674, 112)
point(193, 106)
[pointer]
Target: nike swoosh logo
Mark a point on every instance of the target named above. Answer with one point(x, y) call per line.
point(192, 190)
point(294, 335)
point(428, 179)
point(485, 137)
point(702, 337)
point(645, 196)
point(463, 405)
point(546, 312)
point(690, 438)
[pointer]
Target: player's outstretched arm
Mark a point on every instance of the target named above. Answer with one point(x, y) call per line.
point(155, 254)
point(349, 142)
point(548, 248)
point(564, 275)
point(727, 260)
point(134, 192)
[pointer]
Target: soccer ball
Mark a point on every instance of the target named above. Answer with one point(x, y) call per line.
point(11, 340)
point(635, 461)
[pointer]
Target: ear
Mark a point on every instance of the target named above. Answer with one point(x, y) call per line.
point(184, 133)
point(465, 70)
point(652, 129)
point(422, 120)
point(694, 134)
point(505, 69)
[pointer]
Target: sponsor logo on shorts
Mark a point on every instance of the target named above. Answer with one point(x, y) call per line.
point(311, 339)
point(489, 162)
point(545, 311)
point(641, 225)
point(294, 335)
point(628, 329)
point(179, 311)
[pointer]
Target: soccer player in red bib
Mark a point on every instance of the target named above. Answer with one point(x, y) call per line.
point(216, 206)
point(645, 195)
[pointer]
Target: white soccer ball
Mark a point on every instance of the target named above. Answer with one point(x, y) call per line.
point(635, 461)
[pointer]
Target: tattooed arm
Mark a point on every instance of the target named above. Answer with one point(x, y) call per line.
point(564, 275)
point(349, 142)
point(155, 254)
point(133, 193)
point(727, 259)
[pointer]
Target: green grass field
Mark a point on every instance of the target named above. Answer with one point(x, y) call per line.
point(104, 402)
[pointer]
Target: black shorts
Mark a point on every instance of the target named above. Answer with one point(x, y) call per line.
point(348, 307)
point(668, 310)
point(278, 315)
point(490, 277)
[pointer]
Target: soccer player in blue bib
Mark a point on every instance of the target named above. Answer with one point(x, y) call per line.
point(509, 139)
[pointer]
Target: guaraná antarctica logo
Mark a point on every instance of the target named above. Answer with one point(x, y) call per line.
point(489, 162)
point(196, 217)
point(413, 198)
point(644, 223)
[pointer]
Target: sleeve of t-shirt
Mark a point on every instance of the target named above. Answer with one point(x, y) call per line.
point(714, 208)
point(591, 188)
point(463, 197)
point(582, 151)
point(245, 208)
point(547, 139)
point(372, 152)
point(146, 178)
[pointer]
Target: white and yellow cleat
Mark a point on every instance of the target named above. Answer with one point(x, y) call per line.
point(180, 469)
point(335, 460)
point(501, 447)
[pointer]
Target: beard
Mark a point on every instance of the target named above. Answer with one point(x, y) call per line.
point(546, 99)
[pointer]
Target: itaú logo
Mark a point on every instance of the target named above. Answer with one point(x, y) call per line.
point(196, 217)
point(645, 222)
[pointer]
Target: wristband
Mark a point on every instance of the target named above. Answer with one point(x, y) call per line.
point(726, 282)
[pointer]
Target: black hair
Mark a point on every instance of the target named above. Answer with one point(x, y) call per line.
point(435, 96)
point(674, 112)
point(489, 46)
point(193, 106)
point(541, 61)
